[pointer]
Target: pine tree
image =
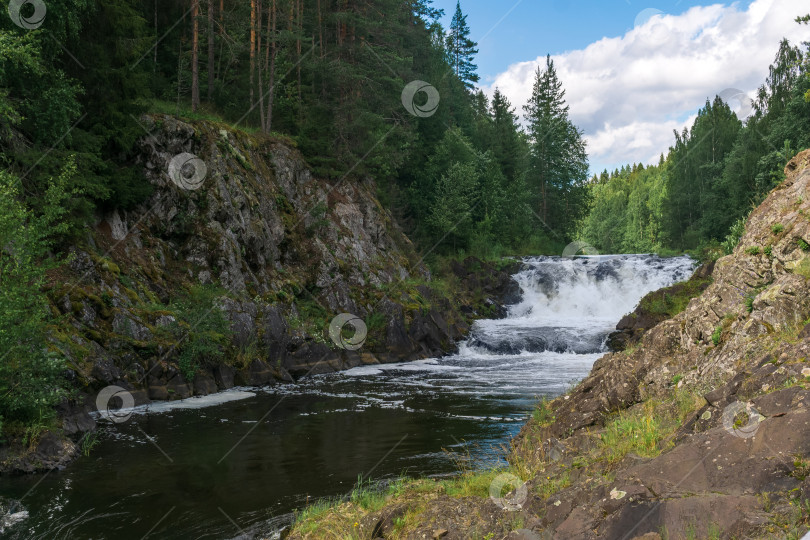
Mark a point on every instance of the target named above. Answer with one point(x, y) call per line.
point(506, 144)
point(558, 167)
point(195, 53)
point(461, 49)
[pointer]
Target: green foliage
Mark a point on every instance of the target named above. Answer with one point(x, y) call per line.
point(717, 335)
point(30, 373)
point(777, 228)
point(461, 50)
point(669, 302)
point(637, 432)
point(542, 414)
point(734, 235)
point(804, 246)
point(748, 300)
point(702, 191)
point(201, 330)
point(558, 163)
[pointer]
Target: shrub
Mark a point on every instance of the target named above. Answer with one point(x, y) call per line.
point(201, 330)
point(734, 235)
point(717, 335)
point(777, 228)
point(31, 381)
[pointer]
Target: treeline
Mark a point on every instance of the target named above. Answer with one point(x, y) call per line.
point(718, 170)
point(332, 76)
point(329, 74)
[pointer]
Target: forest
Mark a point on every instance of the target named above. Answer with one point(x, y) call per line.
point(327, 75)
point(699, 195)
point(348, 83)
point(471, 174)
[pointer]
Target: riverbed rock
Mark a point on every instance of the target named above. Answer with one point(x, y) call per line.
point(735, 362)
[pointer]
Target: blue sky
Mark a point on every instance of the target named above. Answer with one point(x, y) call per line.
point(537, 27)
point(633, 72)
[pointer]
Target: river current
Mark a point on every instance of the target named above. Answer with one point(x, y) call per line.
point(240, 462)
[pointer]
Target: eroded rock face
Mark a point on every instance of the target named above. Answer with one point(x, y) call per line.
point(758, 273)
point(739, 464)
point(743, 340)
point(284, 252)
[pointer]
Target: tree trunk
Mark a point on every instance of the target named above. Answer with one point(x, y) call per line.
point(195, 52)
point(320, 28)
point(210, 50)
point(154, 66)
point(259, 61)
point(271, 52)
point(299, 16)
point(252, 46)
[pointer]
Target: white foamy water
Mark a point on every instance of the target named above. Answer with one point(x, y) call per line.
point(548, 341)
point(196, 402)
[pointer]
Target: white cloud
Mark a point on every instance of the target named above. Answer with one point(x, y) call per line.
point(628, 93)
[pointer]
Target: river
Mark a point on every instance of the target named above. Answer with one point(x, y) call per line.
point(234, 464)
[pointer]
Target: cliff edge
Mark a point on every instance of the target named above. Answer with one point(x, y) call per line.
point(701, 430)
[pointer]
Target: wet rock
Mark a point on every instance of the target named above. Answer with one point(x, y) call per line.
point(242, 316)
point(106, 372)
point(275, 335)
point(158, 392)
point(224, 377)
point(12, 512)
point(76, 418)
point(52, 451)
point(258, 373)
point(204, 384)
point(397, 343)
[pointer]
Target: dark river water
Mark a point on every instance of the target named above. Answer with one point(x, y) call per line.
point(236, 465)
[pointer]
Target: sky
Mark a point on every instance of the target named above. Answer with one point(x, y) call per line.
point(633, 72)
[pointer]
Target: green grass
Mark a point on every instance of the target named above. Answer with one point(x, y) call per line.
point(754, 250)
point(673, 300)
point(717, 335)
point(542, 414)
point(777, 228)
point(633, 432)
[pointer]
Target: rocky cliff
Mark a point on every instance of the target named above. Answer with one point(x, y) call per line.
point(700, 430)
point(231, 272)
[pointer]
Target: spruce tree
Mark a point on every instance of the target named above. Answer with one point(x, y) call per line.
point(506, 144)
point(558, 167)
point(461, 49)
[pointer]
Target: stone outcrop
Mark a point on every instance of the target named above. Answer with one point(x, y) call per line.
point(277, 250)
point(754, 306)
point(722, 390)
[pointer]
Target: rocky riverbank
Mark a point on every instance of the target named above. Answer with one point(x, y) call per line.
point(231, 273)
point(699, 430)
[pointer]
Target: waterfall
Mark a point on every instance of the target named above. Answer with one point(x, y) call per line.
point(572, 304)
